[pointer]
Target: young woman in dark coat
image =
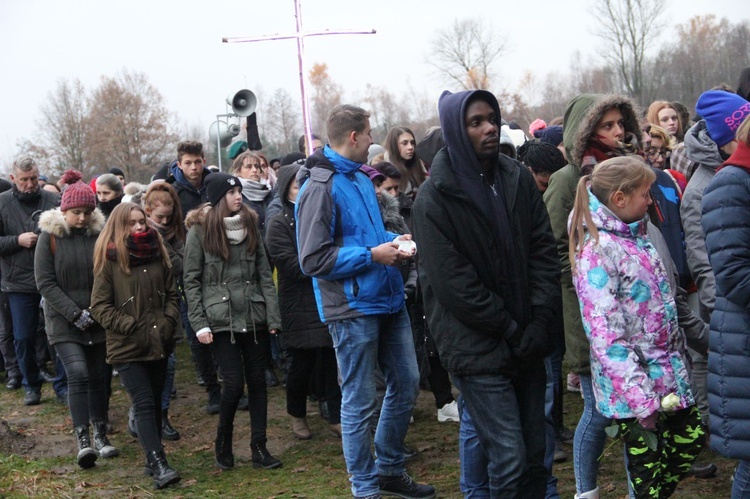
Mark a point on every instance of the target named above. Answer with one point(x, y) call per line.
point(232, 306)
point(304, 336)
point(135, 299)
point(63, 267)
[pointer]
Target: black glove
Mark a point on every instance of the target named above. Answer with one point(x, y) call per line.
point(535, 341)
point(84, 320)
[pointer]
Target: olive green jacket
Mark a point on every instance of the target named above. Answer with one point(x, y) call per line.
point(237, 296)
point(139, 310)
point(581, 117)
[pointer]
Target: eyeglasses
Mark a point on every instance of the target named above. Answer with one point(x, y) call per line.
point(653, 153)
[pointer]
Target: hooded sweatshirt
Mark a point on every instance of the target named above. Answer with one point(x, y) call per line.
point(580, 119)
point(481, 283)
point(703, 151)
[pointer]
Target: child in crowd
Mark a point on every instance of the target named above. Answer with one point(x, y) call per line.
point(630, 318)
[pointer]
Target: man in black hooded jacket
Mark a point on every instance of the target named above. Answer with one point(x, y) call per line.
point(490, 275)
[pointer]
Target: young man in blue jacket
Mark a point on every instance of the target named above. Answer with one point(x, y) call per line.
point(359, 291)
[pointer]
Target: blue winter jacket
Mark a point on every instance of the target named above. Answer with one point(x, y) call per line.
point(726, 223)
point(338, 222)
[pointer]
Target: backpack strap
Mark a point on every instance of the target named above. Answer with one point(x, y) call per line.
point(52, 244)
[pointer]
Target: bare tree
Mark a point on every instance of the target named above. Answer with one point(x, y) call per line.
point(466, 53)
point(62, 125)
point(129, 126)
point(630, 27)
point(280, 122)
point(326, 96)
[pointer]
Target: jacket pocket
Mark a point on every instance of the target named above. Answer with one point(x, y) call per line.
point(217, 309)
point(258, 309)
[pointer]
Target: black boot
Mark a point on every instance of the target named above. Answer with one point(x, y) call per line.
point(163, 474)
point(101, 442)
point(214, 402)
point(86, 455)
point(223, 447)
point(167, 431)
point(262, 458)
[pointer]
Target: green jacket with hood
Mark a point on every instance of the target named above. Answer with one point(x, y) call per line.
point(581, 117)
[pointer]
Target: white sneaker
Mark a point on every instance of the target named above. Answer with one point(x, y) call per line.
point(449, 412)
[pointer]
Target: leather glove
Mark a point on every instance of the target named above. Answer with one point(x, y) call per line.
point(84, 320)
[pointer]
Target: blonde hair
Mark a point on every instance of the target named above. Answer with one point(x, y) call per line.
point(116, 231)
point(621, 174)
point(657, 132)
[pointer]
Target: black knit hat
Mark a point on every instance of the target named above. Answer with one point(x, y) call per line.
point(218, 184)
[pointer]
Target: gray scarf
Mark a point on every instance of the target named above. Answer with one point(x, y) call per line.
point(254, 191)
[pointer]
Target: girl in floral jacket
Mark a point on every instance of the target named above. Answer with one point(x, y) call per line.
point(629, 315)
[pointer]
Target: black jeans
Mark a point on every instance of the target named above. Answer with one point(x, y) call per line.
point(245, 359)
point(7, 349)
point(301, 370)
point(144, 382)
point(85, 366)
point(202, 354)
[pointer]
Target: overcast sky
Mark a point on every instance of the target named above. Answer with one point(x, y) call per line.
point(178, 45)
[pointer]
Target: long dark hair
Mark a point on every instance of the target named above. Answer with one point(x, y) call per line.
point(216, 241)
point(412, 171)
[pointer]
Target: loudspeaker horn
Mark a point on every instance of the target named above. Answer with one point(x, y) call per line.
point(222, 133)
point(243, 102)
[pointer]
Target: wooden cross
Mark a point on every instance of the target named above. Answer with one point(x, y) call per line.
point(300, 36)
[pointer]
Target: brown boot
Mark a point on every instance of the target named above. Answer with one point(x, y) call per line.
point(300, 428)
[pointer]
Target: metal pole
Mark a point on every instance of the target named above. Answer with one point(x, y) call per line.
point(301, 62)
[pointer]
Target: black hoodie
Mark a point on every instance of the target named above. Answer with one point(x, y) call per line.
point(481, 285)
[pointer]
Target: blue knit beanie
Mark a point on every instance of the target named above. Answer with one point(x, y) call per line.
point(551, 135)
point(724, 113)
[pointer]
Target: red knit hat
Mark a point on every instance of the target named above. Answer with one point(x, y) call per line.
point(76, 194)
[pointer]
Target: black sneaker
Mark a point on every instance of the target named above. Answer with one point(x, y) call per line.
point(404, 486)
point(32, 397)
point(46, 376)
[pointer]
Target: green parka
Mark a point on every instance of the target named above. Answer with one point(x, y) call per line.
point(581, 117)
point(236, 296)
point(139, 310)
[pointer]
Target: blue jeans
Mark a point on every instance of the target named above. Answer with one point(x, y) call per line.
point(741, 485)
point(474, 482)
point(507, 417)
point(24, 310)
point(361, 343)
point(589, 440)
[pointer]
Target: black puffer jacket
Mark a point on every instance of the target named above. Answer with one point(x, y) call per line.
point(65, 277)
point(300, 321)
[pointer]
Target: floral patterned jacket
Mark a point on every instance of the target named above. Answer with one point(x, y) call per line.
point(630, 319)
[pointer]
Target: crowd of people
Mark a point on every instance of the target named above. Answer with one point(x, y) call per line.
point(471, 262)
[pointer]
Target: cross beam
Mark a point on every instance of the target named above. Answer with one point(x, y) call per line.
point(300, 36)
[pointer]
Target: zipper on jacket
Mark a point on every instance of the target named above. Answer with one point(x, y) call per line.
point(126, 302)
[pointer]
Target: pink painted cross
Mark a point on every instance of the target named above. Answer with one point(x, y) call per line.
point(300, 36)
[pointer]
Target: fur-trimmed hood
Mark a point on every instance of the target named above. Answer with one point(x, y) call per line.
point(53, 222)
point(582, 115)
point(197, 216)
